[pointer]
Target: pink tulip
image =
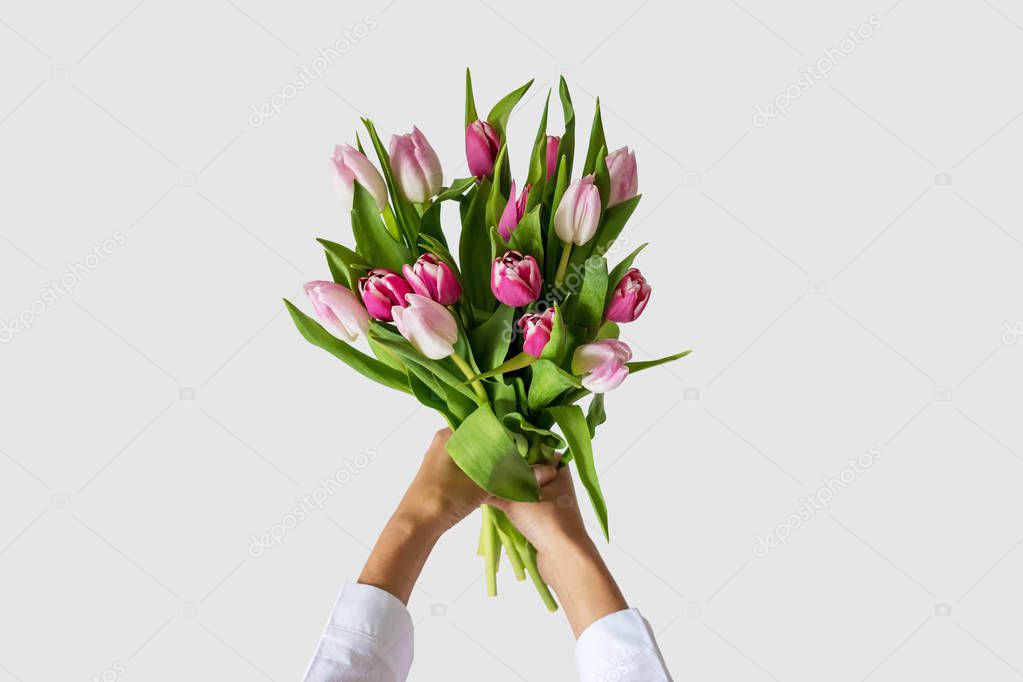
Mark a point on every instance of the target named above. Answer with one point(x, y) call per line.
point(629, 297)
point(621, 166)
point(427, 325)
point(513, 212)
point(578, 214)
point(416, 166)
point(553, 142)
point(481, 148)
point(515, 279)
point(349, 165)
point(433, 278)
point(602, 364)
point(382, 290)
point(339, 308)
point(536, 331)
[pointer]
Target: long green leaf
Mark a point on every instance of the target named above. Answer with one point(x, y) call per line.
point(482, 447)
point(344, 263)
point(595, 413)
point(619, 271)
point(470, 100)
point(490, 341)
point(573, 425)
point(436, 367)
point(597, 142)
point(315, 334)
point(611, 225)
point(526, 237)
point(588, 310)
point(566, 149)
point(498, 116)
point(538, 159)
point(647, 364)
point(406, 216)
point(372, 239)
point(474, 251)
point(547, 382)
point(456, 190)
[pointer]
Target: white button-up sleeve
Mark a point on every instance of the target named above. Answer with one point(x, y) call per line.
point(620, 646)
point(368, 638)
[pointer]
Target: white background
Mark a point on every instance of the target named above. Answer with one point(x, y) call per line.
point(838, 291)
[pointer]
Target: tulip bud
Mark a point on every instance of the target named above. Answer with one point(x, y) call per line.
point(536, 331)
point(428, 326)
point(515, 279)
point(602, 364)
point(416, 166)
point(339, 308)
point(553, 142)
point(434, 279)
point(382, 290)
point(578, 214)
point(350, 165)
point(513, 212)
point(629, 297)
point(481, 148)
point(621, 166)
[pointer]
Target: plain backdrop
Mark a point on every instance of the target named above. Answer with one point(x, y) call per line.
point(848, 273)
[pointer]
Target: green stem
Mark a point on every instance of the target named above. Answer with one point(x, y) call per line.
point(512, 551)
point(491, 550)
point(469, 374)
point(566, 251)
point(529, 556)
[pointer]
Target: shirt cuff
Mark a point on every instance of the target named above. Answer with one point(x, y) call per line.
point(618, 645)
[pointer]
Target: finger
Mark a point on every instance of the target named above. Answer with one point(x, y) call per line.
point(545, 473)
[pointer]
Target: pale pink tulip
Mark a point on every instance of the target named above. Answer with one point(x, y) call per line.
point(578, 214)
point(416, 166)
point(338, 308)
point(602, 364)
point(348, 166)
point(621, 166)
point(427, 325)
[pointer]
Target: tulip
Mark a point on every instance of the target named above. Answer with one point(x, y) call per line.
point(382, 290)
point(428, 326)
point(515, 279)
point(578, 213)
point(621, 166)
point(416, 166)
point(349, 165)
point(433, 278)
point(602, 364)
point(629, 297)
point(553, 142)
point(481, 147)
point(339, 308)
point(513, 212)
point(536, 331)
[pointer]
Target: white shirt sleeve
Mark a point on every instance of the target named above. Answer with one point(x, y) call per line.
point(620, 646)
point(368, 638)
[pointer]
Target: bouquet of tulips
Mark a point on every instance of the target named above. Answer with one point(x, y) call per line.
point(508, 338)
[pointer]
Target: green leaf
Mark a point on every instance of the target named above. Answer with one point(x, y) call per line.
point(470, 101)
point(647, 364)
point(511, 365)
point(436, 367)
point(589, 308)
point(602, 178)
point(456, 190)
point(430, 227)
point(526, 237)
point(595, 414)
point(474, 251)
point(557, 346)
point(406, 216)
point(553, 242)
point(502, 397)
point(498, 116)
point(490, 341)
point(315, 334)
point(497, 200)
point(566, 149)
point(538, 159)
point(426, 396)
point(577, 432)
point(619, 271)
point(482, 447)
point(608, 330)
point(372, 239)
point(597, 142)
point(345, 265)
point(515, 422)
point(547, 382)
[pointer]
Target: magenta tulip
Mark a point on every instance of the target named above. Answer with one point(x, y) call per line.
point(578, 214)
point(515, 279)
point(382, 290)
point(427, 325)
point(350, 165)
point(536, 331)
point(513, 212)
point(433, 278)
point(602, 364)
point(481, 148)
point(553, 142)
point(621, 166)
point(629, 297)
point(339, 308)
point(416, 166)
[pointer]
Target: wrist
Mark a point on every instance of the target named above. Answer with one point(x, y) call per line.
point(418, 521)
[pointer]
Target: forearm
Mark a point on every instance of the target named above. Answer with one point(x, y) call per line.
point(400, 553)
point(582, 582)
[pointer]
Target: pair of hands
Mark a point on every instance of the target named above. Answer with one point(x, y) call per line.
point(441, 495)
